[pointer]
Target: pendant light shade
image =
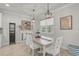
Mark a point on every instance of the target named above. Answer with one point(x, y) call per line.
point(48, 14)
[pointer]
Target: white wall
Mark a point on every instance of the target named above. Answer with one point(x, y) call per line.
point(70, 36)
point(6, 19)
point(0, 27)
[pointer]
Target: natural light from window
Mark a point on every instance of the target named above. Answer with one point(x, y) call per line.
point(47, 25)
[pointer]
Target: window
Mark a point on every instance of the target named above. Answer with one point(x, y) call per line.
point(47, 25)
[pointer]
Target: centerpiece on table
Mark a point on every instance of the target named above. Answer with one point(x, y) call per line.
point(37, 35)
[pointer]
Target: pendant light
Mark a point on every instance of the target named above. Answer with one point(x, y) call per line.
point(48, 14)
point(33, 19)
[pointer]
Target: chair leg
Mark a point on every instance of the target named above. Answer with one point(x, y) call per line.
point(32, 52)
point(44, 52)
point(28, 49)
point(59, 54)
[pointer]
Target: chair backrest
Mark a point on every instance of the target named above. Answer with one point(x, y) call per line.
point(57, 45)
point(29, 40)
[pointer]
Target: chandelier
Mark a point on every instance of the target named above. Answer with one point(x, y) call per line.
point(48, 14)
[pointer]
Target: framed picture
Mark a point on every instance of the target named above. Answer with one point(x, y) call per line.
point(66, 23)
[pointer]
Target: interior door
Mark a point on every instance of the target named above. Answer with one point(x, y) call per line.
point(12, 33)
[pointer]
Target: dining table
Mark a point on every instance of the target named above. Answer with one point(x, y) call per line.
point(43, 42)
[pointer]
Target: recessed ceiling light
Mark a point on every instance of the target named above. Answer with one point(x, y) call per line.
point(8, 5)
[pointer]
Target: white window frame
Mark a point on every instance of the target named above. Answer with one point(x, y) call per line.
point(48, 24)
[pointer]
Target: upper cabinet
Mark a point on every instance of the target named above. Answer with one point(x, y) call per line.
point(0, 20)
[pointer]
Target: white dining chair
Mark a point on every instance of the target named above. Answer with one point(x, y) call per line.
point(30, 43)
point(54, 49)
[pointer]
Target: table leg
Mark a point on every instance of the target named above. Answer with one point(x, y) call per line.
point(44, 51)
point(22, 36)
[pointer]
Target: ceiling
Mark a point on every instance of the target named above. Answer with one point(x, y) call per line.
point(27, 8)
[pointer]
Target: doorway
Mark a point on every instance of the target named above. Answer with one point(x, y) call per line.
point(12, 29)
